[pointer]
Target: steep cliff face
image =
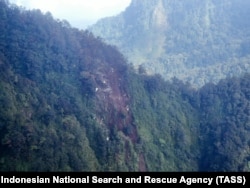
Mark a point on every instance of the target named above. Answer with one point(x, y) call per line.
point(195, 41)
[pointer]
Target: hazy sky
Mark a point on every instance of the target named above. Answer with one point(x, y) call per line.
point(79, 13)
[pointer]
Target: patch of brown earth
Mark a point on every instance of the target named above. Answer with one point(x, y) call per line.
point(113, 99)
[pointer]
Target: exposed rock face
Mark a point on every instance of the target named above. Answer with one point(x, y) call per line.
point(195, 41)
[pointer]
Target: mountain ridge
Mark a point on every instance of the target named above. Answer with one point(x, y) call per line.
point(196, 41)
point(70, 102)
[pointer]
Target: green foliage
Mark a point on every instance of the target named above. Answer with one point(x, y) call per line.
point(195, 41)
point(166, 125)
point(225, 125)
point(70, 102)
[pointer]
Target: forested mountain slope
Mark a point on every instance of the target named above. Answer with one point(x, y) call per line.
point(70, 102)
point(195, 41)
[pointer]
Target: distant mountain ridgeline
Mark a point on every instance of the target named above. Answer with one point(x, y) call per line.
point(70, 102)
point(195, 41)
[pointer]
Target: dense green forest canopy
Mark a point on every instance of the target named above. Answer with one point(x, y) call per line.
point(70, 102)
point(197, 41)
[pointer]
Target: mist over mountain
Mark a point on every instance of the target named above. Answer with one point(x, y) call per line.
point(195, 41)
point(71, 102)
